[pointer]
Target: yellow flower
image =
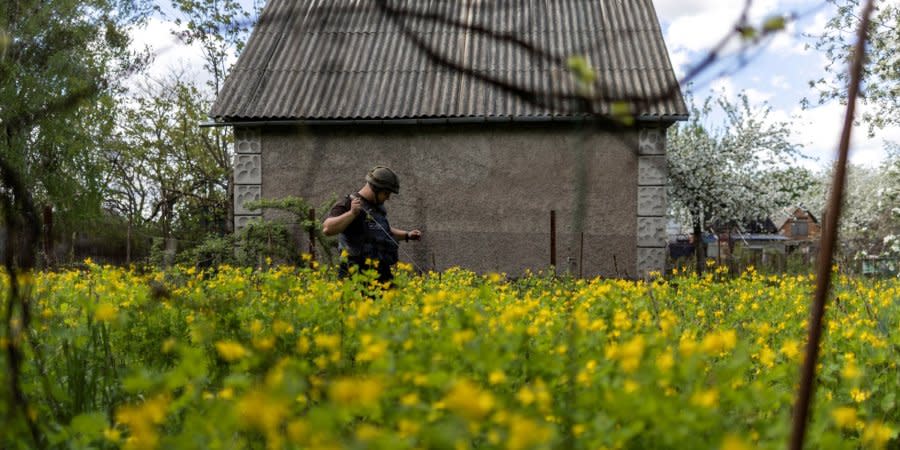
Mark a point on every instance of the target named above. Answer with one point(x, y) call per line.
point(281, 327)
point(355, 392)
point(112, 435)
point(665, 361)
point(409, 399)
point(106, 313)
point(460, 338)
point(732, 442)
point(468, 400)
point(328, 341)
point(707, 398)
point(298, 430)
point(791, 349)
point(230, 351)
point(367, 432)
point(372, 349)
point(168, 345)
point(630, 386)
point(256, 326)
point(851, 371)
point(526, 433)
point(264, 344)
point(876, 434)
point(844, 416)
point(257, 410)
point(407, 428)
point(767, 357)
point(858, 395)
point(719, 342)
point(525, 396)
point(142, 420)
point(496, 377)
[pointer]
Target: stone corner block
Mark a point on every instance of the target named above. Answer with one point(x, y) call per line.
point(247, 169)
point(651, 201)
point(247, 140)
point(243, 195)
point(652, 171)
point(651, 232)
point(652, 141)
point(650, 259)
point(241, 222)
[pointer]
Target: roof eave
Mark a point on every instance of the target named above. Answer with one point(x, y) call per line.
point(239, 121)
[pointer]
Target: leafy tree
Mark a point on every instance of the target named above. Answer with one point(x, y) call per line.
point(220, 28)
point(60, 66)
point(881, 74)
point(166, 171)
point(738, 170)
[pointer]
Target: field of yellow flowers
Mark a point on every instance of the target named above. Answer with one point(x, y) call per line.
point(293, 358)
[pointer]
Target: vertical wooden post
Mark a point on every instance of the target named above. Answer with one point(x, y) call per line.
point(553, 238)
point(829, 237)
point(312, 234)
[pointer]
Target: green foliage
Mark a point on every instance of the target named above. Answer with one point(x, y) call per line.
point(264, 241)
point(61, 63)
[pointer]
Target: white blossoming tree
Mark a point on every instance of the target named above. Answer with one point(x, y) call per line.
point(870, 218)
point(737, 170)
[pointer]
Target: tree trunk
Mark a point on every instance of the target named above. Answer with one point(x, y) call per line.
point(699, 248)
point(48, 235)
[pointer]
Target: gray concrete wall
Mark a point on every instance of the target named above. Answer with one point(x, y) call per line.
point(482, 194)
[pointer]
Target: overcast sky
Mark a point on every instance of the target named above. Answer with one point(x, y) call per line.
point(779, 75)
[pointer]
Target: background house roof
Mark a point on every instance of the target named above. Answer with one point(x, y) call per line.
point(348, 60)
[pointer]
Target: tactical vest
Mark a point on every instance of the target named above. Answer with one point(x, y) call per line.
point(375, 241)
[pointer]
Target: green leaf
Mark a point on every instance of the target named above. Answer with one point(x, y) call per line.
point(888, 402)
point(582, 69)
point(775, 23)
point(90, 425)
point(747, 32)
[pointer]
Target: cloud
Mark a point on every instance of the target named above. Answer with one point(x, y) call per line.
point(779, 82)
point(170, 54)
point(819, 128)
point(757, 97)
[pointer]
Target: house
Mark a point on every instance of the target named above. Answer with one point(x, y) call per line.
point(802, 231)
point(800, 225)
point(323, 91)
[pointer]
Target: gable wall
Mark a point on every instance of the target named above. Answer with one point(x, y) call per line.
point(482, 194)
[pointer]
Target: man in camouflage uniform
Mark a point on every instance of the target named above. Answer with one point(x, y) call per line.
point(365, 234)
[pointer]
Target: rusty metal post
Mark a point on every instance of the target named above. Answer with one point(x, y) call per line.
point(553, 238)
point(826, 254)
point(312, 234)
point(581, 257)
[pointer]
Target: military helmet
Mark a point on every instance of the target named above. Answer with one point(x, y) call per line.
point(383, 179)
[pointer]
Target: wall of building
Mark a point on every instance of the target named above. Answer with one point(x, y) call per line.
point(482, 194)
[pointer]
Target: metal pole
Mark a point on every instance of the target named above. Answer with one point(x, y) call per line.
point(553, 238)
point(823, 274)
point(312, 234)
point(581, 257)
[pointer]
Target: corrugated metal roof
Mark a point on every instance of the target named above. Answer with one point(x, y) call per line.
point(349, 60)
